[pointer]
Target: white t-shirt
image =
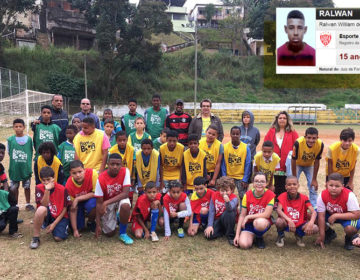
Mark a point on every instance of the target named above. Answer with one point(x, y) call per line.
point(352, 204)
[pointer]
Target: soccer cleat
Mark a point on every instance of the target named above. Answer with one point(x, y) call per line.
point(29, 207)
point(260, 243)
point(280, 240)
point(330, 235)
point(181, 233)
point(299, 241)
point(154, 237)
point(19, 221)
point(126, 239)
point(348, 243)
point(35, 243)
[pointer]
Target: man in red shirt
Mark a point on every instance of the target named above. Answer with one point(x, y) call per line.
point(52, 202)
point(295, 52)
point(112, 199)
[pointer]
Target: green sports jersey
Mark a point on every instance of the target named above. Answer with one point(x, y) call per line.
point(157, 143)
point(20, 167)
point(66, 155)
point(155, 121)
point(129, 122)
point(136, 143)
point(46, 133)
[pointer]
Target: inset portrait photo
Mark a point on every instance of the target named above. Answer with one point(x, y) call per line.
point(295, 34)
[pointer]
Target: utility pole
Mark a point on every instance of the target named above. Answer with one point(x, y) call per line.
point(196, 67)
point(85, 77)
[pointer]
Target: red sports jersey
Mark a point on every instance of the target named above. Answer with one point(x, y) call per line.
point(59, 199)
point(198, 203)
point(142, 207)
point(295, 209)
point(219, 203)
point(257, 205)
point(338, 204)
point(86, 186)
point(112, 186)
point(172, 205)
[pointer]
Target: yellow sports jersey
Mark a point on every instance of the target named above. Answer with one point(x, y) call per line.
point(235, 160)
point(89, 149)
point(171, 161)
point(205, 124)
point(266, 167)
point(194, 167)
point(212, 153)
point(54, 166)
point(127, 157)
point(343, 160)
point(147, 173)
point(304, 155)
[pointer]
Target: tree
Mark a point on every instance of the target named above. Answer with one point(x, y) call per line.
point(210, 11)
point(9, 11)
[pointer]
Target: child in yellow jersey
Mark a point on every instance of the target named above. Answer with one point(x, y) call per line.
point(194, 164)
point(171, 158)
point(342, 156)
point(214, 153)
point(236, 162)
point(266, 161)
point(135, 138)
point(147, 165)
point(306, 157)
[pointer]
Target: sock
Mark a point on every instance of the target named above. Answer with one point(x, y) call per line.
point(204, 219)
point(36, 238)
point(122, 228)
point(154, 219)
point(181, 222)
point(281, 232)
point(27, 204)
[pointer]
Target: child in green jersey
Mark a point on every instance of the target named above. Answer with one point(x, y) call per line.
point(135, 138)
point(66, 152)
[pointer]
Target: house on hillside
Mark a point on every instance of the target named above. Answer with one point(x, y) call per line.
point(180, 19)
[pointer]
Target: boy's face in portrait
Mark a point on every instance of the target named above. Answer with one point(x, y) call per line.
point(295, 29)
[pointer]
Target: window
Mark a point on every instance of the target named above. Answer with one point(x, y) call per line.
point(179, 17)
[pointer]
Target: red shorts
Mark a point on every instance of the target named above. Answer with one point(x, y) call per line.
point(135, 225)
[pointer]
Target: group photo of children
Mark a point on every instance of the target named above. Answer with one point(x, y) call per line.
point(167, 175)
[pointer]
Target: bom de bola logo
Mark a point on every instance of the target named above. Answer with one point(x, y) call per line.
point(325, 38)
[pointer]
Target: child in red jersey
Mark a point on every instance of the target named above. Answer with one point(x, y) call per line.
point(176, 205)
point(112, 198)
point(147, 209)
point(337, 204)
point(222, 211)
point(52, 202)
point(81, 187)
point(256, 209)
point(292, 211)
point(200, 203)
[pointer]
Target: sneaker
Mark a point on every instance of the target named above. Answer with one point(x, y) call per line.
point(154, 237)
point(280, 240)
point(91, 226)
point(330, 235)
point(16, 235)
point(299, 241)
point(126, 239)
point(260, 243)
point(231, 241)
point(29, 207)
point(19, 221)
point(348, 243)
point(35, 243)
point(181, 233)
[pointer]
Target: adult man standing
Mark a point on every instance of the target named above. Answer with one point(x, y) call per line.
point(155, 117)
point(85, 107)
point(201, 122)
point(179, 121)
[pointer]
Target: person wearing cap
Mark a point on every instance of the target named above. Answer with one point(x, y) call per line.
point(202, 121)
point(179, 121)
point(155, 117)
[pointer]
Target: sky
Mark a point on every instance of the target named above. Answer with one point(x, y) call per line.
point(347, 3)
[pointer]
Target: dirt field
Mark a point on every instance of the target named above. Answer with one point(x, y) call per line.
point(188, 258)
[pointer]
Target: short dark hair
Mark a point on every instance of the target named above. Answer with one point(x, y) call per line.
point(225, 182)
point(47, 146)
point(235, 127)
point(347, 133)
point(165, 130)
point(89, 120)
point(205, 100)
point(150, 185)
point(198, 181)
point(109, 121)
point(45, 107)
point(260, 174)
point(120, 133)
point(175, 184)
point(73, 127)
point(193, 137)
point(114, 156)
point(156, 95)
point(46, 172)
point(19, 121)
point(172, 133)
point(291, 177)
point(268, 143)
point(295, 14)
point(52, 99)
point(76, 163)
point(2, 146)
point(213, 127)
point(147, 142)
point(132, 100)
point(311, 131)
point(336, 177)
